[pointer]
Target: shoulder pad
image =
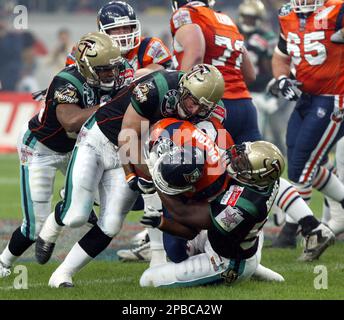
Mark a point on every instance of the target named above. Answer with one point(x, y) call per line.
point(285, 10)
point(181, 16)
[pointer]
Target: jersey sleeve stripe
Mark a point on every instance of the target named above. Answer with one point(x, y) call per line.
point(73, 80)
point(161, 84)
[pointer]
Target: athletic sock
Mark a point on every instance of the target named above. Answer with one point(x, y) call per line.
point(17, 245)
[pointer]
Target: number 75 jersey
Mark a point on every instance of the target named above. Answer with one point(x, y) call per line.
point(319, 63)
point(224, 45)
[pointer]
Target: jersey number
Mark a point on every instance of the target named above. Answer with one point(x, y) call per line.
point(229, 49)
point(314, 51)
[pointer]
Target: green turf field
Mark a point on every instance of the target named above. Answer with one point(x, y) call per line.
point(109, 279)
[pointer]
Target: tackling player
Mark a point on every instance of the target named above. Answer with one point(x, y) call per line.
point(47, 140)
point(229, 247)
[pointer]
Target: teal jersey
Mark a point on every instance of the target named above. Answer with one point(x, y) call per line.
point(238, 215)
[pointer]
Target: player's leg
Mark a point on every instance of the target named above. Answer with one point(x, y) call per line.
point(336, 221)
point(82, 178)
point(287, 236)
point(241, 121)
point(37, 174)
point(116, 200)
point(200, 269)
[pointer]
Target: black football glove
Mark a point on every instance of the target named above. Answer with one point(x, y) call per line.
point(140, 184)
point(289, 88)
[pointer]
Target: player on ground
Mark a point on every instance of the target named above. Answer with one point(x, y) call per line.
point(160, 96)
point(47, 140)
point(229, 248)
point(307, 27)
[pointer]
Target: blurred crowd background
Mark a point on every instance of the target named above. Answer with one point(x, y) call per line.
point(29, 58)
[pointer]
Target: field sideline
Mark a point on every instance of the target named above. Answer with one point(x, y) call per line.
point(109, 279)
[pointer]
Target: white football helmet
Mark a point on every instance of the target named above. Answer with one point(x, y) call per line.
point(306, 6)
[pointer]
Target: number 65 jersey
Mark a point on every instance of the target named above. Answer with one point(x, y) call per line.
point(224, 44)
point(306, 39)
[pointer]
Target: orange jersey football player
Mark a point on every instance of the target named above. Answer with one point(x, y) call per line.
point(203, 35)
point(309, 46)
point(144, 54)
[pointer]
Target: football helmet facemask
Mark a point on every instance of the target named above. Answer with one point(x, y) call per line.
point(176, 4)
point(117, 14)
point(99, 61)
point(257, 164)
point(204, 85)
point(306, 6)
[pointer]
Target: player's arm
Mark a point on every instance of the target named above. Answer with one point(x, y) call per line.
point(281, 60)
point(190, 37)
point(248, 68)
point(72, 117)
point(148, 69)
point(129, 140)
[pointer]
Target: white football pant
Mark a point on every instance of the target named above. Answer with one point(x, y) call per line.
point(38, 167)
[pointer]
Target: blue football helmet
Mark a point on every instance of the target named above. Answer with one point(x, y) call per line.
point(177, 171)
point(117, 14)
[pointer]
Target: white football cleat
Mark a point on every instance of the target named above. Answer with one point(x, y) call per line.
point(140, 238)
point(5, 271)
point(265, 274)
point(316, 242)
point(141, 253)
point(60, 280)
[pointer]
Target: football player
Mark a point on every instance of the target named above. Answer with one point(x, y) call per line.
point(229, 247)
point(203, 35)
point(47, 140)
point(195, 96)
point(145, 54)
point(307, 27)
point(260, 43)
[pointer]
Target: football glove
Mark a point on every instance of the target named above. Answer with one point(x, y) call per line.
point(152, 217)
point(289, 88)
point(140, 184)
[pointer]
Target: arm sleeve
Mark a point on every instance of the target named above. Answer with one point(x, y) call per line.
point(282, 45)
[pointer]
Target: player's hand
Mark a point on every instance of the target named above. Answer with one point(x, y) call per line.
point(140, 184)
point(289, 88)
point(152, 217)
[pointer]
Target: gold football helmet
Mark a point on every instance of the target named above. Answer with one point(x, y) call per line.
point(204, 84)
point(258, 163)
point(251, 15)
point(99, 60)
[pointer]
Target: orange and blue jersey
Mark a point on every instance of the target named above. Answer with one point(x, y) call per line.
point(224, 45)
point(318, 62)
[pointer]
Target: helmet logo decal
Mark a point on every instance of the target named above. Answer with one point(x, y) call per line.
point(193, 176)
point(86, 47)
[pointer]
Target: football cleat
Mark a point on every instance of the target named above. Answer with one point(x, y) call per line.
point(60, 280)
point(5, 271)
point(316, 242)
point(140, 238)
point(43, 250)
point(141, 253)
